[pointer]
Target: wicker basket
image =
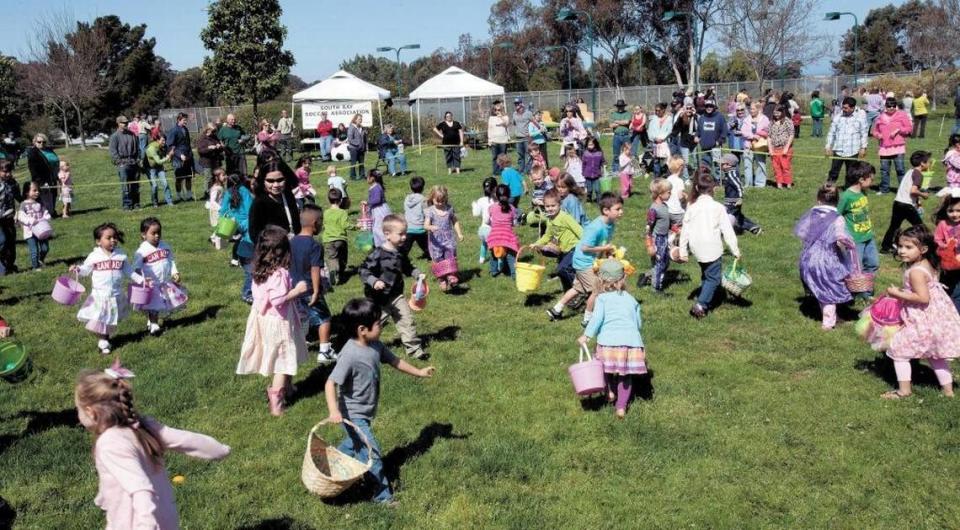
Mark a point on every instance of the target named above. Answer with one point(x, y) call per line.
point(736, 280)
point(858, 281)
point(326, 471)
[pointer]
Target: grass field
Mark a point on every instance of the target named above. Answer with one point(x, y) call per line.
point(753, 417)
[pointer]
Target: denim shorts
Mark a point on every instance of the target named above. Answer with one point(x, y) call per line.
point(313, 315)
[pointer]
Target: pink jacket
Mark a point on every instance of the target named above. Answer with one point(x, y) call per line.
point(886, 124)
point(762, 123)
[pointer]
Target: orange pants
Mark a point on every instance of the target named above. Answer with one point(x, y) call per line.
point(782, 161)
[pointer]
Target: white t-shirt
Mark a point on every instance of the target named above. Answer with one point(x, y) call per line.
point(676, 193)
point(911, 179)
point(337, 182)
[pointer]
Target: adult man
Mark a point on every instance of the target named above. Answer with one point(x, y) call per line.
point(711, 132)
point(521, 123)
point(178, 139)
point(285, 128)
point(325, 133)
point(846, 139)
point(620, 121)
point(125, 152)
point(229, 134)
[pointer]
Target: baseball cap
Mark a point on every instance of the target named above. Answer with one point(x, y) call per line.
point(517, 100)
point(122, 119)
point(709, 103)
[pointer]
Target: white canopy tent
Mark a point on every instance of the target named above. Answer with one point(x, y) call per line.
point(343, 86)
point(453, 83)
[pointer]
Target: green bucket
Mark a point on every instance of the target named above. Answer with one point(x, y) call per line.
point(927, 178)
point(364, 241)
point(226, 227)
point(606, 184)
point(15, 364)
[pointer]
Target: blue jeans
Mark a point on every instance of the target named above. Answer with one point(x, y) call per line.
point(686, 153)
point(565, 271)
point(129, 187)
point(142, 138)
point(393, 158)
point(326, 144)
point(353, 446)
point(618, 140)
point(710, 275)
point(869, 258)
point(509, 262)
point(951, 279)
point(817, 127)
point(38, 251)
point(660, 261)
point(754, 169)
point(593, 189)
point(495, 151)
point(885, 170)
point(522, 155)
point(706, 159)
point(158, 181)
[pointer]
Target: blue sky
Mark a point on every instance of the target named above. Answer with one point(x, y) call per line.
point(320, 42)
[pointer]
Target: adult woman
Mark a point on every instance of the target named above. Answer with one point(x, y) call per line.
point(268, 137)
point(391, 146)
point(273, 202)
point(572, 129)
point(156, 131)
point(735, 139)
point(357, 145)
point(685, 134)
point(755, 129)
point(210, 152)
point(44, 166)
point(498, 134)
point(451, 138)
point(660, 126)
point(638, 131)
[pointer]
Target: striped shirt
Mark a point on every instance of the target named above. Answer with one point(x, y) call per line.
point(847, 135)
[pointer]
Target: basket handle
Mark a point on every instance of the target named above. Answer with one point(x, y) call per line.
point(855, 258)
point(363, 437)
point(543, 260)
point(584, 351)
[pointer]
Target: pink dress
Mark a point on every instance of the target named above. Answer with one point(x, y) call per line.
point(501, 229)
point(274, 342)
point(125, 469)
point(626, 175)
point(930, 331)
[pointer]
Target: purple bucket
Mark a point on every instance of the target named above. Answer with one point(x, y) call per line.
point(139, 294)
point(42, 230)
point(587, 376)
point(67, 291)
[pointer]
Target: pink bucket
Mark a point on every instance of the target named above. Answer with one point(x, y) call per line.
point(885, 311)
point(417, 304)
point(139, 294)
point(587, 376)
point(67, 291)
point(42, 230)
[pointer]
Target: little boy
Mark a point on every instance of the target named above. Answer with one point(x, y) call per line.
point(512, 178)
point(334, 238)
point(306, 260)
point(382, 275)
point(906, 205)
point(413, 213)
point(335, 182)
point(733, 196)
point(658, 234)
point(559, 238)
point(540, 185)
point(854, 208)
point(9, 195)
point(595, 243)
point(357, 377)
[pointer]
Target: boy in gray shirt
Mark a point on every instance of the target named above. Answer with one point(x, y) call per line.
point(357, 377)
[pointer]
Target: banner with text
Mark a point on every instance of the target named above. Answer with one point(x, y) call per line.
point(337, 111)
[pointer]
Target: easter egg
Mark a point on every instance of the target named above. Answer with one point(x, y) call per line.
point(179, 479)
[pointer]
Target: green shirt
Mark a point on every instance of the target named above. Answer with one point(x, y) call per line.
point(154, 159)
point(334, 225)
point(816, 108)
point(621, 116)
point(562, 231)
point(856, 212)
point(230, 136)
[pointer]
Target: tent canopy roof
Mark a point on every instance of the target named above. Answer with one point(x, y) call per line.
point(455, 83)
point(342, 86)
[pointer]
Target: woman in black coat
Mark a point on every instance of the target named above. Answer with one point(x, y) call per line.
point(44, 166)
point(273, 202)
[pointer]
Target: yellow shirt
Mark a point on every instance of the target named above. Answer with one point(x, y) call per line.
point(920, 106)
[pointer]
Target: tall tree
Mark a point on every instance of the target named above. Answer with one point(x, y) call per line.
point(881, 45)
point(670, 40)
point(246, 39)
point(187, 89)
point(13, 103)
point(933, 44)
point(380, 71)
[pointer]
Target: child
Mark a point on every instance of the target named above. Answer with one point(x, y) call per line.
point(481, 209)
point(855, 209)
point(66, 187)
point(931, 325)
point(9, 196)
point(616, 325)
point(334, 181)
point(554, 175)
point(218, 181)
point(441, 224)
point(570, 197)
point(704, 223)
point(592, 165)
point(574, 166)
point(781, 147)
point(658, 233)
point(334, 238)
point(540, 184)
point(947, 238)
point(382, 274)
point(32, 212)
point(678, 190)
point(595, 243)
point(273, 343)
point(413, 213)
point(559, 238)
point(304, 193)
point(306, 260)
point(536, 156)
point(376, 204)
point(353, 388)
point(626, 171)
point(906, 205)
point(502, 240)
point(824, 259)
point(733, 196)
point(512, 178)
point(154, 260)
point(107, 266)
point(951, 161)
point(236, 204)
point(128, 450)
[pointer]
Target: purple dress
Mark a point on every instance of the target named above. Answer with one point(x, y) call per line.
point(592, 164)
point(823, 265)
point(442, 241)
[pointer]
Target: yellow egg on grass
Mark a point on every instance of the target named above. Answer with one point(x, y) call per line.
point(179, 479)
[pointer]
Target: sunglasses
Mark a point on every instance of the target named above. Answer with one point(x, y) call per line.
point(274, 181)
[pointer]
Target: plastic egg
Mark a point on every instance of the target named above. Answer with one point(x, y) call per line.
point(179, 479)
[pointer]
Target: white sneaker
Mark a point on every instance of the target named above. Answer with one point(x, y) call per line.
point(153, 328)
point(325, 358)
point(234, 263)
point(482, 260)
point(104, 346)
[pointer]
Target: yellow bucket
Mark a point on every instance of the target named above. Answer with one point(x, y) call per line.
point(529, 275)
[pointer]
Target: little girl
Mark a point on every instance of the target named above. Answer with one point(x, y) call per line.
point(626, 171)
point(825, 257)
point(154, 260)
point(334, 181)
point(931, 325)
point(216, 192)
point(947, 238)
point(574, 166)
point(536, 156)
point(128, 449)
point(107, 266)
point(658, 234)
point(591, 165)
point(377, 204)
point(31, 212)
point(503, 241)
point(66, 187)
point(570, 197)
point(616, 325)
point(481, 209)
point(304, 192)
point(441, 222)
point(951, 161)
point(273, 344)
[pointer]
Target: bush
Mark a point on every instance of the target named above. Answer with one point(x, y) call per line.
point(946, 83)
point(42, 124)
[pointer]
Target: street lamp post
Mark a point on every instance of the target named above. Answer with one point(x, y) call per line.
point(835, 15)
point(568, 15)
point(566, 52)
point(503, 45)
point(670, 15)
point(390, 49)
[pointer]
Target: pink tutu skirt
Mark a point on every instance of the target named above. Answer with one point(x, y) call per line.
point(165, 298)
point(102, 312)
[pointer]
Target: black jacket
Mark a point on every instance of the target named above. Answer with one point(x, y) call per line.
point(267, 211)
point(40, 170)
point(388, 266)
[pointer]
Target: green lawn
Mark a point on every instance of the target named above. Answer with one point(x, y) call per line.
point(753, 417)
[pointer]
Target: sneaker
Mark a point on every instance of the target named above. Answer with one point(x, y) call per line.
point(482, 260)
point(419, 355)
point(325, 358)
point(104, 346)
point(554, 315)
point(248, 301)
point(697, 311)
point(644, 279)
point(154, 329)
point(234, 263)
point(756, 230)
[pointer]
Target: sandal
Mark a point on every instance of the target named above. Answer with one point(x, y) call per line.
point(894, 394)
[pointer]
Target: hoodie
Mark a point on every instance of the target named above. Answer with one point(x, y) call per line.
point(713, 130)
point(413, 212)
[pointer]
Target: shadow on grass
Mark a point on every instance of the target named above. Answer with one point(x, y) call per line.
point(673, 276)
point(444, 334)
point(66, 261)
point(38, 422)
point(721, 297)
point(882, 367)
point(538, 299)
point(468, 274)
point(311, 385)
point(810, 308)
point(23, 297)
point(7, 514)
point(642, 389)
point(206, 314)
point(282, 523)
point(87, 210)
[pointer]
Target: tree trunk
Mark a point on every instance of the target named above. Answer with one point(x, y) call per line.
point(256, 115)
point(83, 138)
point(933, 87)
